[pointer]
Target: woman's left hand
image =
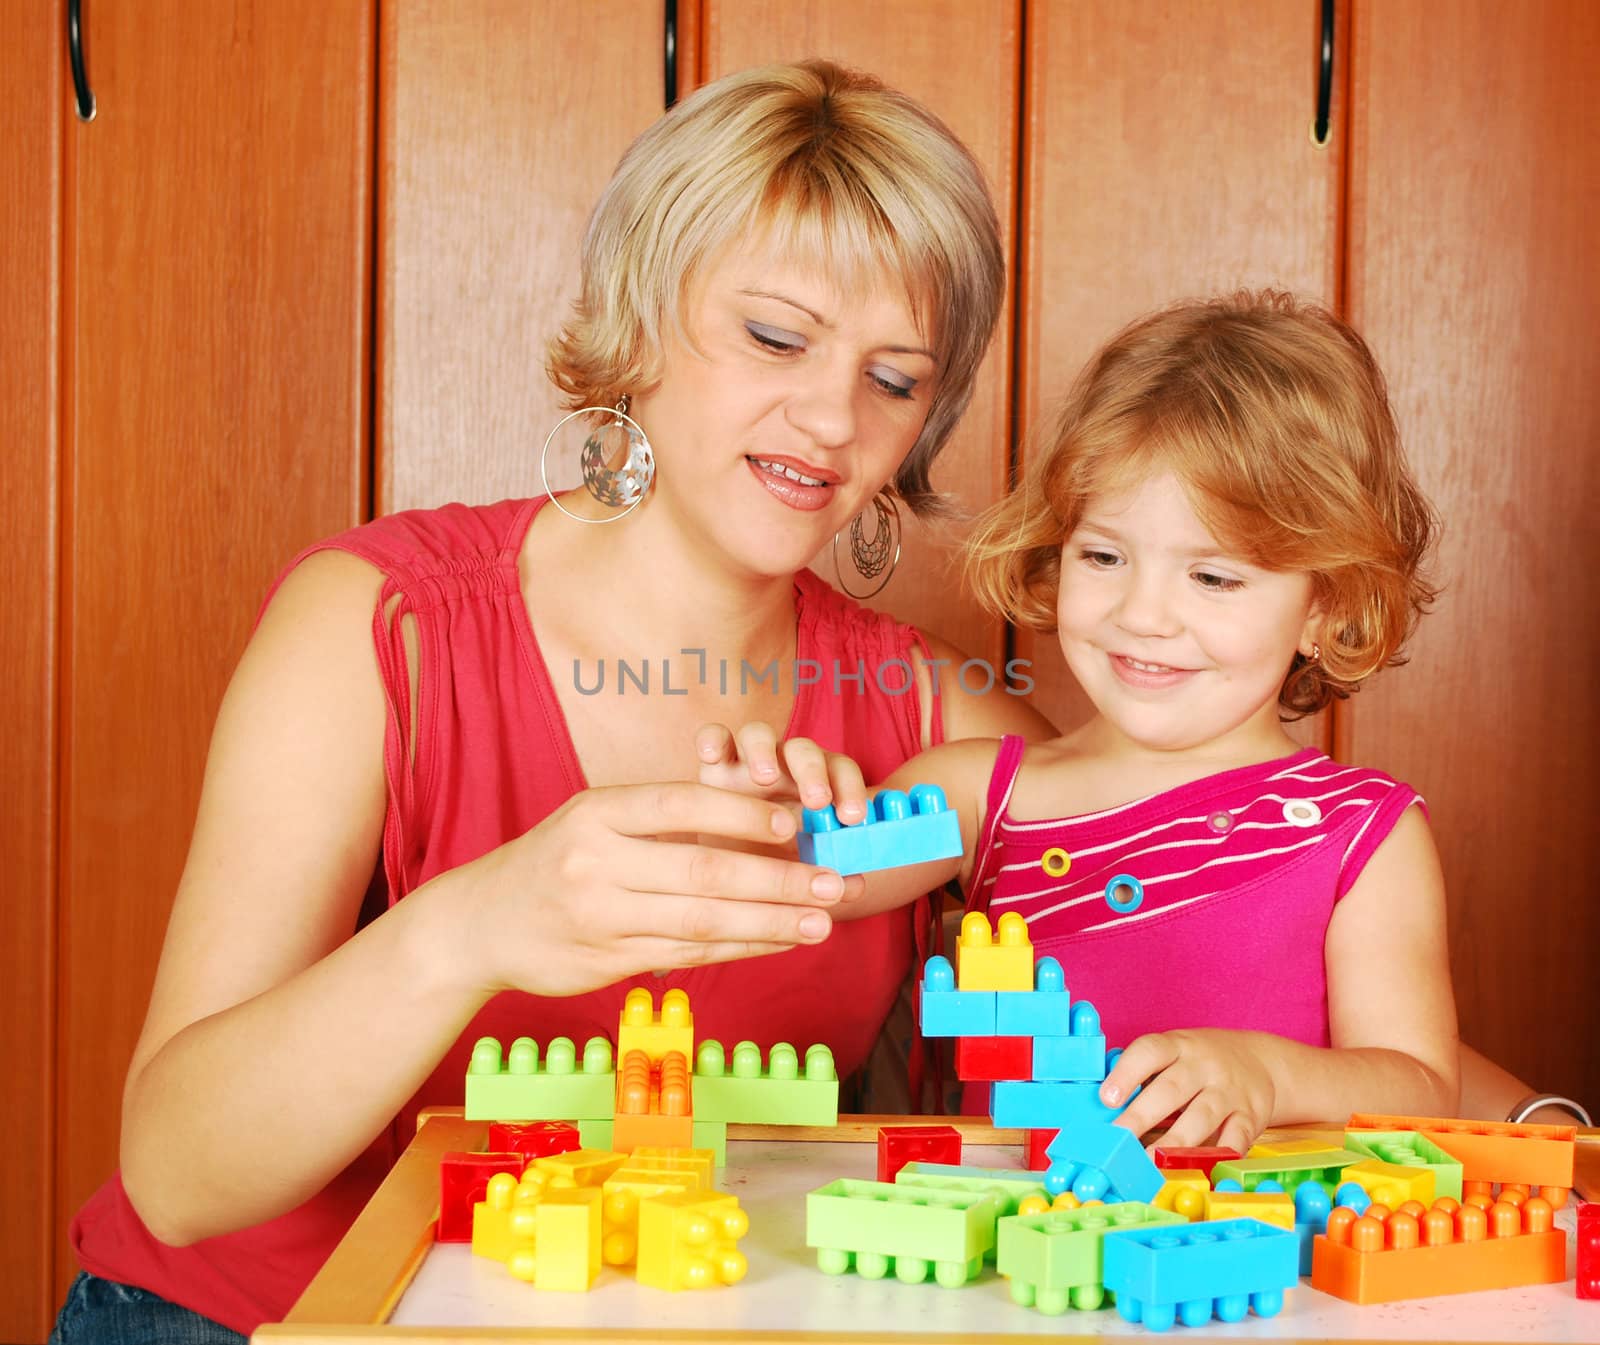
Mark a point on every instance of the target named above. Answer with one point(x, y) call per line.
point(752, 760)
point(1214, 1082)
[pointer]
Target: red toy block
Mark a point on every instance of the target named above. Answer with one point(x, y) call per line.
point(1589, 1251)
point(1038, 1141)
point(463, 1182)
point(533, 1139)
point(899, 1145)
point(1202, 1156)
point(989, 1059)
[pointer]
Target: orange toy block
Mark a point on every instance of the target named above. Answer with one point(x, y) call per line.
point(642, 1029)
point(1384, 1256)
point(653, 1103)
point(1001, 960)
point(689, 1240)
point(1492, 1151)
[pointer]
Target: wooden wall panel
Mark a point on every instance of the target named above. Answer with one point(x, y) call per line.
point(1167, 154)
point(219, 338)
point(32, 109)
point(500, 123)
point(933, 41)
point(1474, 194)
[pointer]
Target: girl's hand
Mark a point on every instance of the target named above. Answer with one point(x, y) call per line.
point(752, 761)
point(605, 888)
point(1215, 1082)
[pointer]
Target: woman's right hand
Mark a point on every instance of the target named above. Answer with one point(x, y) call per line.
point(610, 885)
point(797, 770)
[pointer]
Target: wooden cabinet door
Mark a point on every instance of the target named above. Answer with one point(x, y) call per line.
point(1167, 154)
point(499, 124)
point(215, 334)
point(1474, 191)
point(32, 113)
point(962, 58)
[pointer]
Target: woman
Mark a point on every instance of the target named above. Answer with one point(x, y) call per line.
point(787, 289)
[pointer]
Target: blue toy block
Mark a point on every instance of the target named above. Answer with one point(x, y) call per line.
point(1078, 1056)
point(1044, 1011)
point(1161, 1274)
point(1115, 1151)
point(1048, 1106)
point(945, 1011)
point(1312, 1206)
point(899, 829)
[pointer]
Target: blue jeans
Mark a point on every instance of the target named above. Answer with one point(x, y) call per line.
point(102, 1312)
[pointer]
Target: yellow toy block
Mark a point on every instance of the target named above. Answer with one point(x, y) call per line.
point(688, 1240)
point(623, 1191)
point(1392, 1184)
point(641, 1029)
point(1271, 1207)
point(1320, 1141)
point(984, 962)
point(567, 1255)
point(502, 1222)
point(1185, 1193)
point(579, 1167)
point(702, 1162)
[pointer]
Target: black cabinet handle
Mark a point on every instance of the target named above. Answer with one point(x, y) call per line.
point(670, 47)
point(80, 81)
point(1319, 128)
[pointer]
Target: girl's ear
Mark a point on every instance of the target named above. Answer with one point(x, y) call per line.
point(1313, 633)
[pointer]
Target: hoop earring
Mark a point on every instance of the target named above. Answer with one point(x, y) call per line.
point(621, 488)
point(872, 555)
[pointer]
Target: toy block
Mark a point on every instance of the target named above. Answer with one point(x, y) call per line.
point(879, 1226)
point(566, 1250)
point(581, 1167)
point(1190, 1272)
point(987, 1059)
point(689, 1240)
point(596, 1134)
point(1312, 1142)
point(944, 1011)
point(1202, 1156)
point(642, 1029)
point(519, 1088)
point(899, 1145)
point(463, 1180)
point(899, 829)
point(1392, 1185)
point(1035, 1157)
point(1311, 1209)
point(503, 1222)
point(711, 1136)
point(998, 959)
point(1384, 1256)
point(1183, 1193)
point(1044, 1011)
point(1491, 1151)
point(1077, 1057)
point(1036, 1105)
point(782, 1095)
point(533, 1139)
point(620, 1198)
point(1110, 1149)
point(1411, 1149)
point(653, 1103)
point(1055, 1259)
point(701, 1162)
point(1326, 1167)
point(1589, 1251)
point(1009, 1188)
point(1271, 1207)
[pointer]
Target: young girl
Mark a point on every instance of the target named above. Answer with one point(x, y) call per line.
point(1225, 536)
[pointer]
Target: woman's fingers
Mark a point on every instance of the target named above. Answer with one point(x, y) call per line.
point(723, 875)
point(713, 745)
point(683, 808)
point(757, 745)
point(684, 920)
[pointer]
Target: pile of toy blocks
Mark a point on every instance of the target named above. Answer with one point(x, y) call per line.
point(611, 1160)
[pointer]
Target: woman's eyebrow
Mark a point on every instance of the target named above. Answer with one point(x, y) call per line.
point(825, 324)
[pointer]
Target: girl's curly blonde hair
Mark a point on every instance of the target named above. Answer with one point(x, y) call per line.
point(1274, 415)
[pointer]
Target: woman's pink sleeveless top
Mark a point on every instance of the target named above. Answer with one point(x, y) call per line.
point(493, 757)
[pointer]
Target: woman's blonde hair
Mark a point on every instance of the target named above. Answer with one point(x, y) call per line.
point(1274, 415)
point(836, 170)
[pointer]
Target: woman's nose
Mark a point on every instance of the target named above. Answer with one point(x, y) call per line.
point(823, 407)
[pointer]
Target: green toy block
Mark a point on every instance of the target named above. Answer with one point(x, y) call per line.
point(595, 1134)
point(1055, 1259)
point(1412, 1149)
point(1008, 1187)
point(521, 1088)
point(876, 1226)
point(711, 1135)
point(1325, 1167)
point(783, 1094)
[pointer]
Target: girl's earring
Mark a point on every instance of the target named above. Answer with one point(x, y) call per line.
point(873, 555)
point(1316, 652)
point(613, 437)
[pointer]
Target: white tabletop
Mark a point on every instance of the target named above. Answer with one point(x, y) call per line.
point(784, 1291)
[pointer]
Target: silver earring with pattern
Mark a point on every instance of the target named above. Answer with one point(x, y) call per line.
point(876, 554)
point(612, 436)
